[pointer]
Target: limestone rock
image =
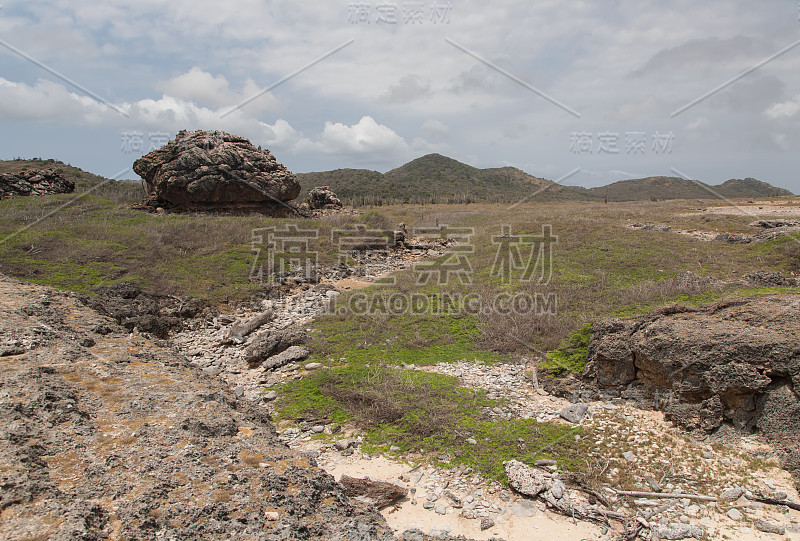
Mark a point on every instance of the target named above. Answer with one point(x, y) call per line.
point(524, 479)
point(322, 197)
point(730, 362)
point(574, 413)
point(34, 182)
point(267, 345)
point(292, 354)
point(217, 171)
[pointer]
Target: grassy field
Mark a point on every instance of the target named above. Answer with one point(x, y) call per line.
point(600, 267)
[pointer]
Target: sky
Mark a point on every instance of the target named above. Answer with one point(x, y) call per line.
point(584, 93)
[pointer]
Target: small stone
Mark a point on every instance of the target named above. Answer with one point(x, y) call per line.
point(735, 514)
point(471, 441)
point(676, 530)
point(629, 456)
point(272, 516)
point(394, 448)
point(558, 489)
point(238, 391)
point(313, 366)
point(441, 509)
point(428, 505)
point(768, 527)
point(318, 429)
point(731, 494)
point(432, 497)
point(486, 523)
point(270, 396)
point(574, 413)
point(544, 462)
point(341, 445)
point(708, 455)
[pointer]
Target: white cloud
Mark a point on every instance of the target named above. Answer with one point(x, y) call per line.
point(367, 136)
point(204, 88)
point(784, 109)
point(409, 88)
point(436, 128)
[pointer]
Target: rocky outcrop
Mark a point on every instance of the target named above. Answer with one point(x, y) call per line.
point(136, 310)
point(734, 363)
point(123, 439)
point(322, 197)
point(34, 182)
point(216, 171)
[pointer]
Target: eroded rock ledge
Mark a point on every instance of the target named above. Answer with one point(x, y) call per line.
point(734, 364)
point(110, 435)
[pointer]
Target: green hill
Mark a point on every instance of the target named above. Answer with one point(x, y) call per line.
point(436, 179)
point(750, 187)
point(119, 191)
point(657, 188)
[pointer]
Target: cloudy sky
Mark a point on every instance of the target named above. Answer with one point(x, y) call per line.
point(619, 89)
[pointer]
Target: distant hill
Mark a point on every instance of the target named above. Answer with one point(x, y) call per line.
point(650, 188)
point(436, 179)
point(83, 180)
point(750, 187)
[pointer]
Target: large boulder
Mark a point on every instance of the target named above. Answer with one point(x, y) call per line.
point(34, 182)
point(217, 171)
point(735, 362)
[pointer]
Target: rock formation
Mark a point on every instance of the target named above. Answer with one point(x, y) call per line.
point(734, 362)
point(216, 171)
point(322, 197)
point(111, 436)
point(34, 182)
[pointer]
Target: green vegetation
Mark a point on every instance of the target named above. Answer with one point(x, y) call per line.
point(422, 413)
point(601, 267)
point(663, 188)
point(570, 356)
point(435, 179)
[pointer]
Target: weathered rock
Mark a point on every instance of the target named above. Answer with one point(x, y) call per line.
point(292, 354)
point(677, 530)
point(373, 491)
point(134, 309)
point(735, 514)
point(322, 197)
point(574, 413)
point(769, 527)
point(267, 345)
point(524, 479)
point(217, 171)
point(239, 329)
point(129, 441)
point(770, 279)
point(486, 523)
point(735, 361)
point(731, 494)
point(34, 182)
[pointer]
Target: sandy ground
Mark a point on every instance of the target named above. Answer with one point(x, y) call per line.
point(757, 209)
point(542, 526)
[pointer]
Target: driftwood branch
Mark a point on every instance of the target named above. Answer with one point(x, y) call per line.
point(637, 494)
point(787, 503)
